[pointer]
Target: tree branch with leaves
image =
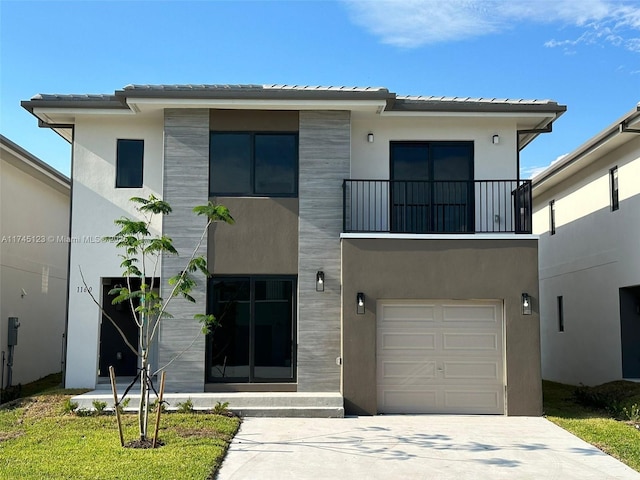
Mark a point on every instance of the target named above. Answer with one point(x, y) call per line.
point(141, 254)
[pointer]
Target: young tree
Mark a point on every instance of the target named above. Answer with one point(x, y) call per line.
point(141, 255)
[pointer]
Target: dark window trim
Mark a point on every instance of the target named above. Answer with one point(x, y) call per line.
point(552, 217)
point(614, 188)
point(253, 134)
point(560, 313)
point(294, 330)
point(118, 140)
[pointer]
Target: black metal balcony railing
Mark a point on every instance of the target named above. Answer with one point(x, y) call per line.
point(398, 206)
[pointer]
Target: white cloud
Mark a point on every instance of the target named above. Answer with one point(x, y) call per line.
point(532, 172)
point(412, 23)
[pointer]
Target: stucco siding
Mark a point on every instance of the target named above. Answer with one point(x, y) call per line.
point(263, 241)
point(96, 203)
point(593, 254)
point(33, 269)
point(390, 269)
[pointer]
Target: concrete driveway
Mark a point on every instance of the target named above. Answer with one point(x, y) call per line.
point(414, 447)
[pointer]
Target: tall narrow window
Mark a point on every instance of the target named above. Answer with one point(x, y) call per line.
point(552, 217)
point(560, 314)
point(613, 182)
point(129, 163)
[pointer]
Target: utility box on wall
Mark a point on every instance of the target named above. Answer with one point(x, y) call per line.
point(12, 337)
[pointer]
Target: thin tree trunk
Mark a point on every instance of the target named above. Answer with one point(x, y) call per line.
point(144, 387)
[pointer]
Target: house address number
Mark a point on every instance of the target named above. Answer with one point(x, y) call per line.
point(83, 289)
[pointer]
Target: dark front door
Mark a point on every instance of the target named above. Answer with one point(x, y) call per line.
point(432, 187)
point(630, 331)
point(113, 349)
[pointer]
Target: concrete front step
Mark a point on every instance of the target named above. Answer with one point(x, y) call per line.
point(246, 404)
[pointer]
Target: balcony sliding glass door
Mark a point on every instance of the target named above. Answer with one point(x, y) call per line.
point(418, 204)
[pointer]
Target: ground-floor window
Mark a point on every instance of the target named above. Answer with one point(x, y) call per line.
point(255, 341)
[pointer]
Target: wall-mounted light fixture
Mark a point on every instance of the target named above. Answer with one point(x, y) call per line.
point(360, 303)
point(370, 137)
point(495, 139)
point(319, 281)
point(526, 304)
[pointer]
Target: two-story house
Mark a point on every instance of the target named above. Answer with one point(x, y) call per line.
point(382, 252)
point(587, 213)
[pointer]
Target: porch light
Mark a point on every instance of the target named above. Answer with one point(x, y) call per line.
point(496, 139)
point(370, 137)
point(360, 303)
point(319, 281)
point(526, 304)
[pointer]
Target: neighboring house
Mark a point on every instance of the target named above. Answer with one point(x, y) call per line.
point(34, 230)
point(587, 213)
point(380, 256)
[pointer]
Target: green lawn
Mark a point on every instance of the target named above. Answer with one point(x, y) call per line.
point(38, 440)
point(617, 438)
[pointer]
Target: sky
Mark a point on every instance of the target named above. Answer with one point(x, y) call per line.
point(584, 54)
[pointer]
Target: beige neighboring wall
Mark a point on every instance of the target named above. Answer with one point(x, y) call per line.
point(34, 226)
point(441, 269)
point(264, 239)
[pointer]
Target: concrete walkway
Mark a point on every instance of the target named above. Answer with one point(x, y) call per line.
point(414, 447)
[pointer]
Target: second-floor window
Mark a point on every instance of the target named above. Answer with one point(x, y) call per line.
point(253, 164)
point(552, 217)
point(613, 182)
point(129, 163)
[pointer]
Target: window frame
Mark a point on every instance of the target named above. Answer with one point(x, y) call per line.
point(252, 160)
point(251, 378)
point(552, 217)
point(614, 189)
point(119, 142)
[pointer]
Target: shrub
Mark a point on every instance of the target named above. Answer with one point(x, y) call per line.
point(69, 406)
point(99, 407)
point(221, 409)
point(123, 404)
point(154, 406)
point(633, 413)
point(613, 397)
point(186, 406)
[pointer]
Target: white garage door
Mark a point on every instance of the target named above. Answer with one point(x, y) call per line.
point(440, 357)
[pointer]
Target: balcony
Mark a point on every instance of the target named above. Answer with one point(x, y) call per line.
point(437, 207)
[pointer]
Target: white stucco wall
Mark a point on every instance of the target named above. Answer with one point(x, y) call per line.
point(96, 203)
point(594, 253)
point(371, 160)
point(33, 258)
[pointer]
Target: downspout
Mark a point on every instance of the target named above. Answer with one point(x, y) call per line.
point(65, 338)
point(65, 335)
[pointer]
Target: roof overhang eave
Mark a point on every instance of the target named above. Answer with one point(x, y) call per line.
point(142, 104)
point(543, 181)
